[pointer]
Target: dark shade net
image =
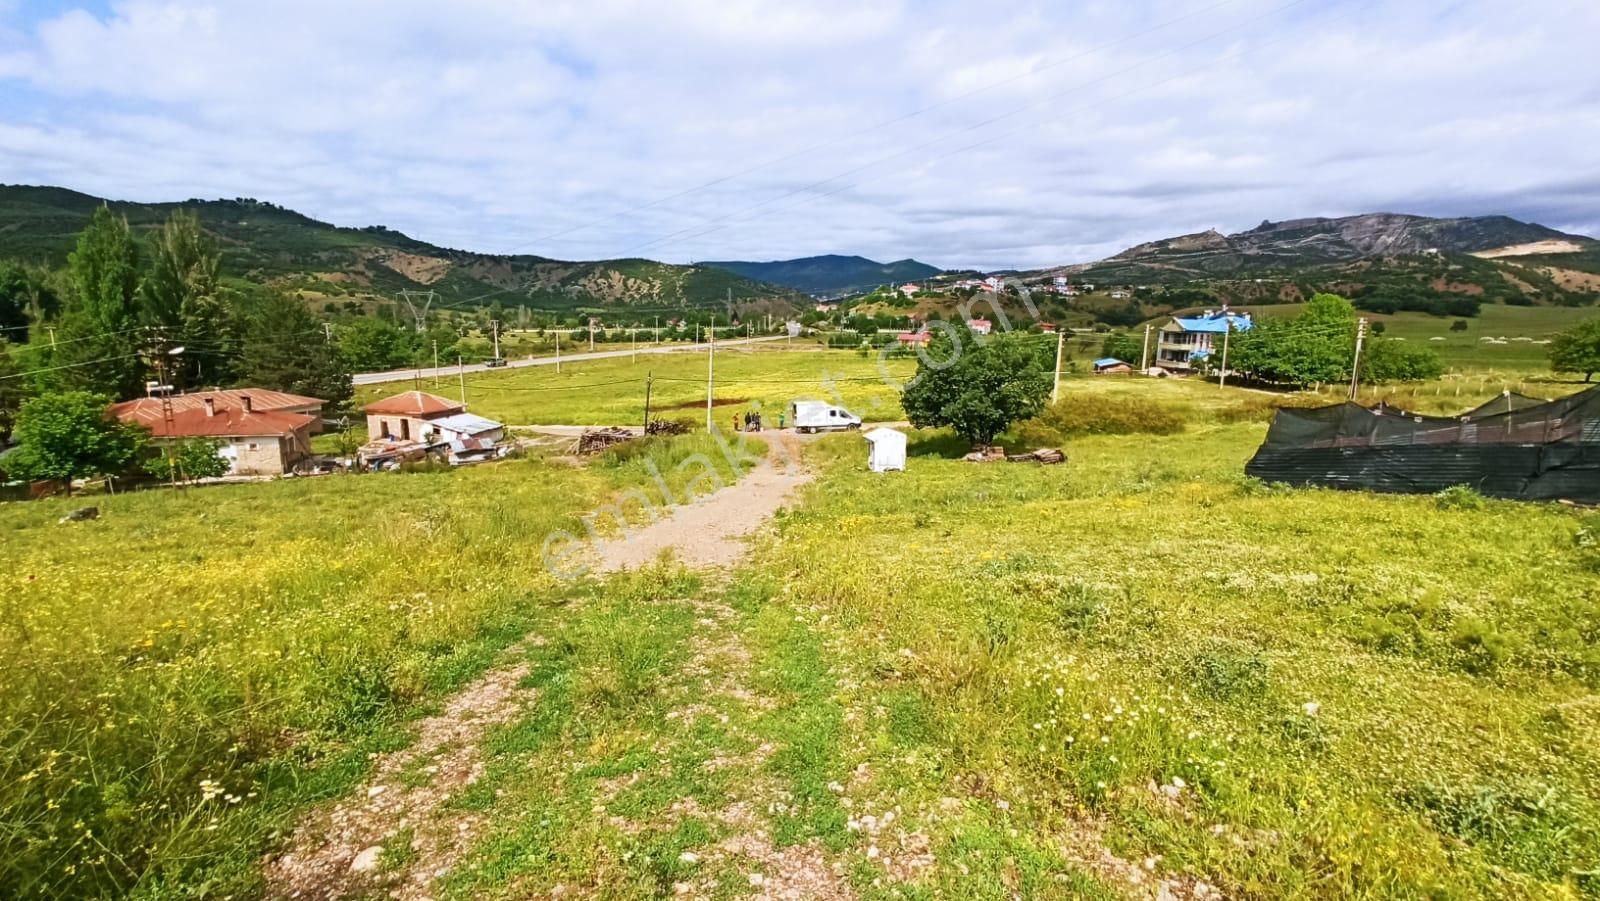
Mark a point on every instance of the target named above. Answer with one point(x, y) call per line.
point(1539, 451)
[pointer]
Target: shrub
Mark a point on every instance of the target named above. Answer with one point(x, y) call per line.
point(1228, 673)
point(1482, 648)
point(1459, 497)
point(1076, 415)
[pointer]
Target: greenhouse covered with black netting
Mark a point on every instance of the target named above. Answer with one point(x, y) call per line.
point(1512, 447)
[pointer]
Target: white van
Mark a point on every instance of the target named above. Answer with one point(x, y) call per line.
point(816, 416)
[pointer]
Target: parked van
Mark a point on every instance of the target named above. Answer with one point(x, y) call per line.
point(816, 416)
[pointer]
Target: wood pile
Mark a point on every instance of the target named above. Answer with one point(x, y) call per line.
point(593, 441)
point(986, 455)
point(1047, 456)
point(666, 427)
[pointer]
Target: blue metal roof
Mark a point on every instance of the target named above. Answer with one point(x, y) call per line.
point(1108, 361)
point(1215, 325)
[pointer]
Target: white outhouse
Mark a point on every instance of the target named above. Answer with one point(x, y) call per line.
point(886, 450)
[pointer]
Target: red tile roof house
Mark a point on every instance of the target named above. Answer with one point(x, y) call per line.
point(420, 416)
point(259, 432)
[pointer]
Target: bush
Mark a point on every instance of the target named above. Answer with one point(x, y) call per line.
point(1459, 497)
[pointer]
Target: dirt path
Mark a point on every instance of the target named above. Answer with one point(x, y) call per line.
point(711, 532)
point(398, 833)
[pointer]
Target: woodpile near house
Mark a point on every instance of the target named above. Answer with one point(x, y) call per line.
point(593, 441)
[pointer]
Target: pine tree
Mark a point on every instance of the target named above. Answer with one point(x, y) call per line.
point(285, 349)
point(181, 296)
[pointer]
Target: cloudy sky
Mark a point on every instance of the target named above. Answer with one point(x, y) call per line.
point(961, 133)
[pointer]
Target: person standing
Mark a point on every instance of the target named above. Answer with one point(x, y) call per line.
point(736, 422)
point(780, 420)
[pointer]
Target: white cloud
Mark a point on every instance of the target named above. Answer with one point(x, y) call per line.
point(786, 128)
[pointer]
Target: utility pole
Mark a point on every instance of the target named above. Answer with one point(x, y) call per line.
point(591, 334)
point(461, 371)
point(558, 351)
point(656, 335)
point(1055, 388)
point(711, 369)
point(1355, 364)
point(436, 362)
point(649, 382)
point(1144, 358)
point(633, 334)
point(495, 325)
point(1222, 379)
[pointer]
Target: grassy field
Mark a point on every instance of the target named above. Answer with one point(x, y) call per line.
point(1139, 669)
point(612, 391)
point(1282, 693)
point(191, 669)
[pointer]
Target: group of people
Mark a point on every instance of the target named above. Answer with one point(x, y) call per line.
point(752, 421)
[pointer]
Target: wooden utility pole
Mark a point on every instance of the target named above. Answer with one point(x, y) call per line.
point(558, 351)
point(649, 382)
point(1055, 387)
point(711, 372)
point(1144, 358)
point(591, 334)
point(1222, 379)
point(461, 371)
point(436, 362)
point(1355, 364)
point(495, 324)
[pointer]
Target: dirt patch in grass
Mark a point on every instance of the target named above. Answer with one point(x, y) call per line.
point(715, 402)
point(391, 833)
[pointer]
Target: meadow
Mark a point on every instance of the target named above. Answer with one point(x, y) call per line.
point(1139, 669)
point(1137, 672)
point(1279, 693)
point(189, 671)
point(612, 391)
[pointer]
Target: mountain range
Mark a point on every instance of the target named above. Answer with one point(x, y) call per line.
point(1494, 257)
point(830, 274)
point(265, 243)
point(1275, 247)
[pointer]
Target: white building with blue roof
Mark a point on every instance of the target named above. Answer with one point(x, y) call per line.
point(1187, 340)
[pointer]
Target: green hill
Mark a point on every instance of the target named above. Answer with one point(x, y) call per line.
point(266, 243)
point(830, 274)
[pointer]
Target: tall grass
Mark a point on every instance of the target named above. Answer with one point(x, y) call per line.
point(189, 669)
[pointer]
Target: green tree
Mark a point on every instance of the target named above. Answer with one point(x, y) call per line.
point(1316, 346)
point(1460, 325)
point(1125, 347)
point(371, 344)
point(979, 388)
point(182, 297)
point(285, 349)
point(1394, 361)
point(12, 391)
point(26, 299)
point(100, 339)
point(70, 436)
point(186, 461)
point(1577, 349)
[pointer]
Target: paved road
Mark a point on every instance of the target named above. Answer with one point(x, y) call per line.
point(406, 375)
